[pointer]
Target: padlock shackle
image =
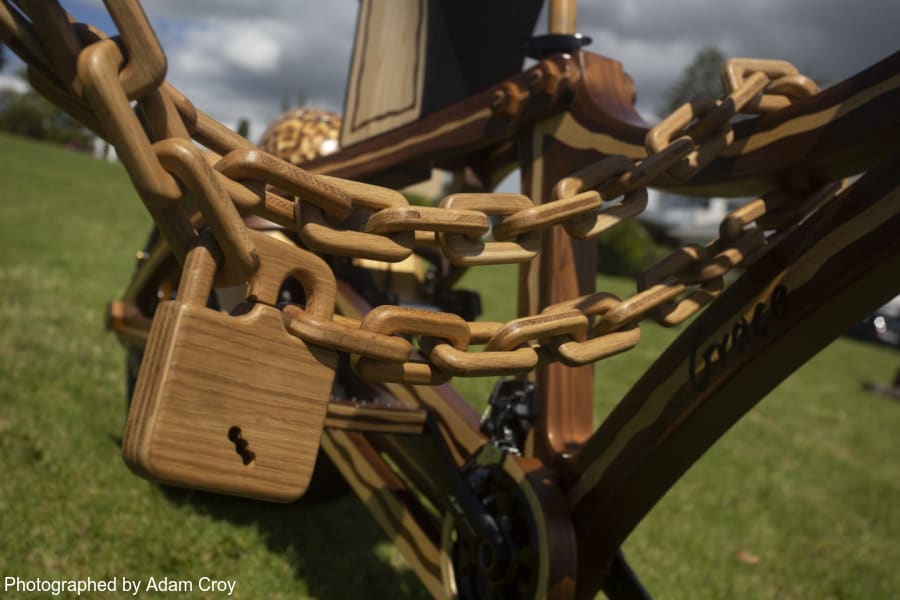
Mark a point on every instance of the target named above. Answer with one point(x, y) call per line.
point(279, 260)
point(195, 423)
point(199, 271)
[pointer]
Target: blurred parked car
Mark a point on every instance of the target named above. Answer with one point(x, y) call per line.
point(882, 326)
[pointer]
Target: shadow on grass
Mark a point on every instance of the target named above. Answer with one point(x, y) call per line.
point(331, 545)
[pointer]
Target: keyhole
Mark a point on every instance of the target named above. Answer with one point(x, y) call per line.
point(241, 446)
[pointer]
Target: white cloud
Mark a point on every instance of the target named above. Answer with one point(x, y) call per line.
point(255, 49)
point(241, 59)
point(11, 82)
point(235, 60)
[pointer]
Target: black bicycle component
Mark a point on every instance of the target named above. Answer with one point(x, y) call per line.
point(542, 46)
point(510, 414)
point(622, 583)
point(361, 281)
point(465, 303)
point(464, 504)
point(477, 571)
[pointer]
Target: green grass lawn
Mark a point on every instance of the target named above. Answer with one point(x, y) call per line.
point(808, 483)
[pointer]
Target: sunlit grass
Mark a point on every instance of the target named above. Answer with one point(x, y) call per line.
point(808, 483)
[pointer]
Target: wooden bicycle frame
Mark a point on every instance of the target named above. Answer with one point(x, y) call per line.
point(811, 286)
point(588, 489)
point(578, 492)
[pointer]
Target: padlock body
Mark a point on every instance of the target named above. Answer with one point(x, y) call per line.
point(228, 404)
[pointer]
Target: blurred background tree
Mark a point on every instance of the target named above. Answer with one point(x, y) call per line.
point(700, 78)
point(29, 114)
point(243, 128)
point(629, 248)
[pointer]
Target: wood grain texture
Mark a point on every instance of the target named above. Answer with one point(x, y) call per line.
point(558, 543)
point(51, 24)
point(428, 218)
point(229, 404)
point(561, 18)
point(461, 420)
point(470, 251)
point(388, 501)
point(380, 419)
point(98, 69)
point(838, 266)
point(387, 74)
point(453, 133)
point(203, 374)
point(185, 160)
point(564, 269)
point(280, 259)
point(320, 236)
point(258, 165)
point(363, 195)
point(146, 68)
point(842, 130)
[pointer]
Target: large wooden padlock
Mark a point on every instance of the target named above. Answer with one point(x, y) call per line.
point(234, 404)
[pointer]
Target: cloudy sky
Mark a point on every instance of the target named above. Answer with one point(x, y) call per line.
point(244, 59)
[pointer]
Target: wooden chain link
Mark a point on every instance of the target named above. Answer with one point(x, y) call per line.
point(96, 79)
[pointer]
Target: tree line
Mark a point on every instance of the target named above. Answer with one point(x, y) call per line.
point(28, 113)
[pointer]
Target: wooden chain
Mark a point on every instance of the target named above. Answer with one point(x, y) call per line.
point(96, 79)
